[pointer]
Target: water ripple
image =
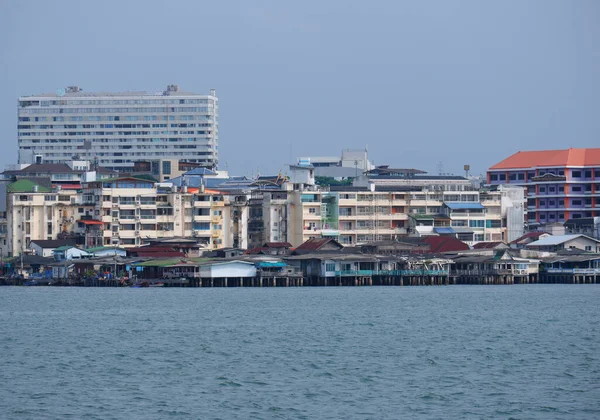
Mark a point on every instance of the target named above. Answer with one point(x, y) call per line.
point(386, 353)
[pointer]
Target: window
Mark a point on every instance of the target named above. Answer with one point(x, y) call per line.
point(493, 224)
point(493, 177)
point(476, 223)
point(542, 202)
point(166, 168)
point(512, 177)
point(542, 216)
point(542, 189)
point(576, 202)
point(521, 176)
point(502, 177)
point(576, 188)
point(312, 210)
point(330, 267)
point(588, 174)
point(588, 247)
point(576, 174)
point(561, 189)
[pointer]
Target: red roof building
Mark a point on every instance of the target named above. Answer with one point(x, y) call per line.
point(560, 184)
point(318, 244)
point(439, 244)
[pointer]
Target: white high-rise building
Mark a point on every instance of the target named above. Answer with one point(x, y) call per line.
point(117, 129)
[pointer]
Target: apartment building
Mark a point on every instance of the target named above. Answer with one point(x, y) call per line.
point(36, 212)
point(126, 212)
point(399, 202)
point(135, 210)
point(119, 128)
point(560, 184)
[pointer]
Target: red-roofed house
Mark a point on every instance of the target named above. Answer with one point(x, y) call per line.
point(318, 244)
point(560, 184)
point(528, 238)
point(272, 248)
point(439, 244)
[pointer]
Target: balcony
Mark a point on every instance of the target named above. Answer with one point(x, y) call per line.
point(311, 216)
point(344, 273)
point(204, 204)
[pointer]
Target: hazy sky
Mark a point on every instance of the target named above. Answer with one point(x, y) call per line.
point(417, 81)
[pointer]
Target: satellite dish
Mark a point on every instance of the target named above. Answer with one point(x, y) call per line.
point(61, 92)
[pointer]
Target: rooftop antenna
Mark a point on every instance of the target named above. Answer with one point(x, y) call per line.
point(440, 167)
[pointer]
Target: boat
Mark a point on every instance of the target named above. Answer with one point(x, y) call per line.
point(31, 283)
point(159, 284)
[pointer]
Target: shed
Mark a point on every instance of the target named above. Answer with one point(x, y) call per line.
point(227, 269)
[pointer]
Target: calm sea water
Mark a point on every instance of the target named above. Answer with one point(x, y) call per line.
point(481, 352)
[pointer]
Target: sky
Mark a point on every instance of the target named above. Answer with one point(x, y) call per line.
point(432, 85)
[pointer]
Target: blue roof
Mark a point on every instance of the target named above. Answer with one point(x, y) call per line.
point(464, 206)
point(446, 230)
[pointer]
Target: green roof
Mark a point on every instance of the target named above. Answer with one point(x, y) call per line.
point(26, 186)
point(102, 248)
point(63, 248)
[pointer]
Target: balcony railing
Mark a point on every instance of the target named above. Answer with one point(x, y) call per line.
point(592, 271)
point(344, 273)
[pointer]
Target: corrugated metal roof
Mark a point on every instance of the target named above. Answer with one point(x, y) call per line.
point(559, 239)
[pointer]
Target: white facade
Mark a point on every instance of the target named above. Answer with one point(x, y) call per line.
point(118, 128)
point(230, 269)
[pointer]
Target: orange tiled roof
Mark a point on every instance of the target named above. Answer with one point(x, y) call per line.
point(568, 157)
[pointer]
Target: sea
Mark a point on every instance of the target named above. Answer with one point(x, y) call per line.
point(442, 352)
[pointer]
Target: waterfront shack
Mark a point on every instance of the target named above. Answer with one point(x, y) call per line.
point(500, 268)
point(571, 266)
point(357, 269)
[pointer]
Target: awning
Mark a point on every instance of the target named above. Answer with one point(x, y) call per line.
point(91, 222)
point(463, 230)
point(464, 205)
point(270, 264)
point(444, 230)
point(69, 186)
